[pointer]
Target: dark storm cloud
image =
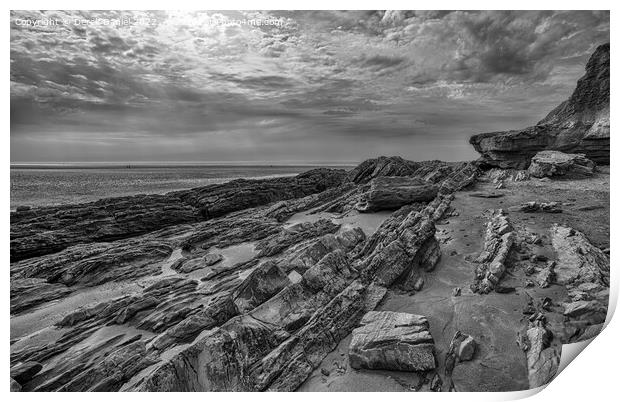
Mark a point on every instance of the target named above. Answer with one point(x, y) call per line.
point(381, 79)
point(381, 62)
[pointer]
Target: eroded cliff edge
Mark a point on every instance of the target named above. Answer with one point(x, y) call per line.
point(578, 125)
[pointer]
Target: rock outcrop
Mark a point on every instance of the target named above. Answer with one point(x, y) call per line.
point(499, 239)
point(391, 193)
point(382, 166)
point(535, 206)
point(555, 163)
point(584, 270)
point(255, 301)
point(543, 359)
point(40, 231)
point(388, 340)
point(578, 125)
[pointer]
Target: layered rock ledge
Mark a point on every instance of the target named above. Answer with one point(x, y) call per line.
point(578, 125)
point(392, 341)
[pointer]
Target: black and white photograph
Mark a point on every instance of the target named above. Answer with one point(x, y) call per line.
point(319, 200)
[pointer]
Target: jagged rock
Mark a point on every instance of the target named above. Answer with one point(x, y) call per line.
point(534, 206)
point(424, 261)
point(555, 164)
point(578, 125)
point(391, 262)
point(217, 362)
point(23, 373)
point(186, 330)
point(456, 292)
point(194, 264)
point(303, 256)
point(45, 230)
point(590, 332)
point(382, 166)
point(546, 276)
point(247, 326)
point(467, 348)
point(392, 341)
point(436, 383)
point(394, 192)
point(249, 354)
point(499, 239)
point(263, 283)
point(450, 177)
point(419, 283)
point(578, 261)
point(320, 310)
point(30, 292)
point(287, 366)
point(293, 235)
point(15, 387)
point(94, 264)
point(462, 348)
point(110, 374)
point(542, 358)
point(462, 177)
point(295, 304)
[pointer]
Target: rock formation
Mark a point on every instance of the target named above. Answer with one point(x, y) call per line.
point(555, 163)
point(393, 192)
point(499, 239)
point(584, 270)
point(251, 286)
point(392, 341)
point(41, 231)
point(543, 359)
point(534, 206)
point(578, 125)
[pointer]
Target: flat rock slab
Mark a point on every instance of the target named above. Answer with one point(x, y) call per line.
point(555, 163)
point(391, 193)
point(486, 195)
point(388, 340)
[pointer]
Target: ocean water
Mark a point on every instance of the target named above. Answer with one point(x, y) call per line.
point(52, 185)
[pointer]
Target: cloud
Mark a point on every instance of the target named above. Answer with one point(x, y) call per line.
point(316, 75)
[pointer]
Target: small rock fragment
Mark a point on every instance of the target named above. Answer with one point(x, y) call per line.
point(467, 348)
point(546, 276)
point(15, 387)
point(25, 372)
point(436, 383)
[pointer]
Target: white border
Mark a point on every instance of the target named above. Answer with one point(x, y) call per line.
point(593, 375)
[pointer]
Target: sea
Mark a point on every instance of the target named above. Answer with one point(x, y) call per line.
point(37, 185)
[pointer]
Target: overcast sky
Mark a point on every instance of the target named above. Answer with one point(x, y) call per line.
point(319, 86)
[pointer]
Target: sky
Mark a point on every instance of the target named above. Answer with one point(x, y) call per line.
point(285, 86)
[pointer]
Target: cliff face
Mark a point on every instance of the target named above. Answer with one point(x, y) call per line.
point(578, 125)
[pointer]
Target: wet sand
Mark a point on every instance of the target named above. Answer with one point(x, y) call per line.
point(494, 320)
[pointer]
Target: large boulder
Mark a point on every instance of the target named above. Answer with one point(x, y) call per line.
point(556, 163)
point(391, 193)
point(392, 341)
point(578, 125)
